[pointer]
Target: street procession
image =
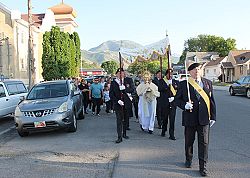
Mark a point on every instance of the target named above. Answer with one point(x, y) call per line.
point(123, 109)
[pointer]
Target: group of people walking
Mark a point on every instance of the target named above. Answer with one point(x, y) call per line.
point(159, 99)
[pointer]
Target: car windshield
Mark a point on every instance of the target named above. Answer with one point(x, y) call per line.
point(48, 91)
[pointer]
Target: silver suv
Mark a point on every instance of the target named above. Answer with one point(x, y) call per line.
point(10, 93)
point(49, 106)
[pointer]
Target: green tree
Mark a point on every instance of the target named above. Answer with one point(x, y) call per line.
point(208, 43)
point(61, 54)
point(152, 66)
point(110, 66)
point(49, 64)
point(72, 61)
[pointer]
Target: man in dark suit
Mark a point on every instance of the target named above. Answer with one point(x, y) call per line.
point(120, 92)
point(168, 87)
point(199, 114)
point(158, 108)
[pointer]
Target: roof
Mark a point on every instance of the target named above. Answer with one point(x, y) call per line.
point(63, 9)
point(241, 56)
point(215, 62)
point(201, 55)
point(36, 18)
point(227, 65)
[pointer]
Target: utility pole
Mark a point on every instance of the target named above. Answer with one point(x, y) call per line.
point(30, 48)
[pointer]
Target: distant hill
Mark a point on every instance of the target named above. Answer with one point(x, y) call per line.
point(109, 51)
point(115, 45)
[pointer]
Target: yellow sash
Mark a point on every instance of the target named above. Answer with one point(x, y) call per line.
point(201, 92)
point(171, 86)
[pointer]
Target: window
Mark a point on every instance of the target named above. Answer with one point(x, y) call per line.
point(12, 89)
point(241, 69)
point(21, 88)
point(22, 63)
point(214, 70)
point(207, 71)
point(241, 79)
point(22, 37)
point(2, 92)
point(246, 80)
point(16, 88)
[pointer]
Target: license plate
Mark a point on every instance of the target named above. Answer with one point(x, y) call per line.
point(40, 124)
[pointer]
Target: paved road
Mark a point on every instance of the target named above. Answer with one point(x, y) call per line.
point(91, 151)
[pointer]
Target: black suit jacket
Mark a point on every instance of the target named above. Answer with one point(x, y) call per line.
point(165, 92)
point(115, 95)
point(199, 114)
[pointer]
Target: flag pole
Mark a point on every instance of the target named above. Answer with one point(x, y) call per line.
point(188, 91)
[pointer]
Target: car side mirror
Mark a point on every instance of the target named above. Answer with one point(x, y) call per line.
point(21, 99)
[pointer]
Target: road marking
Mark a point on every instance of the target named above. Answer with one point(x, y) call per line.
point(7, 130)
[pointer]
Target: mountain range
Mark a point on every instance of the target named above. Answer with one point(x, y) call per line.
point(109, 51)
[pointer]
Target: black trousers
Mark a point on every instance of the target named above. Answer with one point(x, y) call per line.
point(168, 114)
point(203, 140)
point(85, 104)
point(159, 114)
point(96, 104)
point(108, 105)
point(136, 109)
point(121, 122)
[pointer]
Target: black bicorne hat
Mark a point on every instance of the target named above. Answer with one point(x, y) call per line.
point(194, 65)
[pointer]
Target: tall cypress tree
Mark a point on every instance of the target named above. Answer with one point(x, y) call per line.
point(61, 54)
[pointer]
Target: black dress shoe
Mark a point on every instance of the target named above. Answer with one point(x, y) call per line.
point(188, 164)
point(150, 131)
point(163, 134)
point(203, 172)
point(172, 138)
point(125, 136)
point(128, 128)
point(119, 140)
point(141, 127)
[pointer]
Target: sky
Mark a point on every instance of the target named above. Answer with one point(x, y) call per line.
point(146, 21)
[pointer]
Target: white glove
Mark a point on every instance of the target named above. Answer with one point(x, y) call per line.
point(171, 99)
point(170, 82)
point(212, 122)
point(120, 102)
point(188, 106)
point(122, 87)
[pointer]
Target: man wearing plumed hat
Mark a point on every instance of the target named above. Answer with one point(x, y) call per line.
point(195, 98)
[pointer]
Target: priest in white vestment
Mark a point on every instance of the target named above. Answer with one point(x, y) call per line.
point(147, 92)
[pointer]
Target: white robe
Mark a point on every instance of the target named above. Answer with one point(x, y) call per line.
point(147, 106)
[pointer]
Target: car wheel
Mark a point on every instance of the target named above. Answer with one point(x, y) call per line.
point(231, 91)
point(248, 93)
point(23, 134)
point(73, 126)
point(81, 115)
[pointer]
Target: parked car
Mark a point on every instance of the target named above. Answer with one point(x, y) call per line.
point(241, 86)
point(182, 77)
point(11, 91)
point(49, 106)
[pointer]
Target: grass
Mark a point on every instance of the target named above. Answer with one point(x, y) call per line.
point(221, 84)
